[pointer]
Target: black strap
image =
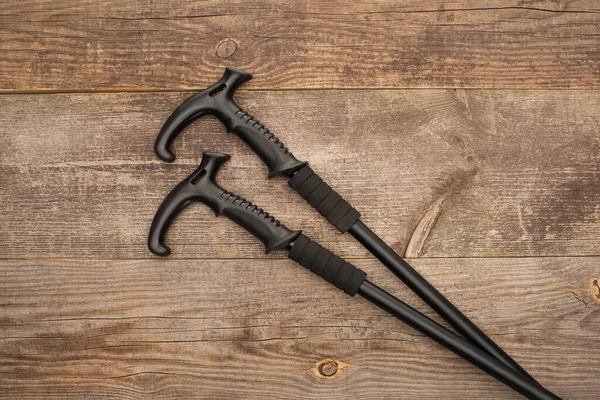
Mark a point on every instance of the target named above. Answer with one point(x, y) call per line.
point(327, 265)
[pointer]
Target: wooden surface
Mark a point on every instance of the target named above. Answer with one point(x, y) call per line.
point(201, 328)
point(431, 118)
point(439, 173)
point(177, 44)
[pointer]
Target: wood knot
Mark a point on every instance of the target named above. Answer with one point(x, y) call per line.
point(595, 289)
point(328, 368)
point(226, 48)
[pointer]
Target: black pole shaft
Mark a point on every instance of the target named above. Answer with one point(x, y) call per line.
point(430, 295)
point(454, 343)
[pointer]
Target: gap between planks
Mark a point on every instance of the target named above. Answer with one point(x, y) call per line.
point(8, 92)
point(250, 259)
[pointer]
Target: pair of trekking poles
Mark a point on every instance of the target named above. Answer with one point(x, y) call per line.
point(217, 100)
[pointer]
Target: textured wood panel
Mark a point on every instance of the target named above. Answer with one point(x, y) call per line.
point(238, 329)
point(179, 44)
point(438, 173)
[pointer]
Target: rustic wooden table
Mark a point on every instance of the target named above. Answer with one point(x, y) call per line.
point(467, 133)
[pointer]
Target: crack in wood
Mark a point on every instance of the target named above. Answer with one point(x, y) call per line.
point(139, 373)
point(417, 239)
point(456, 183)
point(578, 298)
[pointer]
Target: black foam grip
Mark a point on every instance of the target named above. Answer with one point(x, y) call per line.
point(324, 199)
point(327, 265)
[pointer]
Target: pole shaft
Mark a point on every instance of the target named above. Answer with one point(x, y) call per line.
point(430, 295)
point(454, 343)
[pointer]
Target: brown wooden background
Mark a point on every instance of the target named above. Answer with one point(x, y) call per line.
point(467, 133)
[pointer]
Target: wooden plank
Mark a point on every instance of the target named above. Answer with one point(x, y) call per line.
point(139, 45)
point(239, 328)
point(438, 173)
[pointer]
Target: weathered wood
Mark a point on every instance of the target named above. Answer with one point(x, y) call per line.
point(239, 329)
point(174, 44)
point(441, 173)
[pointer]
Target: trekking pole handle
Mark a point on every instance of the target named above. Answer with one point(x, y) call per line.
point(201, 186)
point(217, 100)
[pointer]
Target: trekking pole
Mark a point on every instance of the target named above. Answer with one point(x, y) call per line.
point(217, 100)
point(201, 186)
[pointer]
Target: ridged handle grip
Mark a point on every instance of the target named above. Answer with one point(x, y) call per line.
point(265, 144)
point(201, 186)
point(273, 234)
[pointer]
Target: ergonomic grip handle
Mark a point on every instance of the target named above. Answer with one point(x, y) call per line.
point(217, 100)
point(324, 199)
point(265, 144)
point(327, 265)
point(201, 186)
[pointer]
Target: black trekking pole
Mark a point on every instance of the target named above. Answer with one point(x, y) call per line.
point(201, 186)
point(217, 100)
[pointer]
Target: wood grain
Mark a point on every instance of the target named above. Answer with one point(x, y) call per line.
point(216, 329)
point(438, 173)
point(140, 45)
